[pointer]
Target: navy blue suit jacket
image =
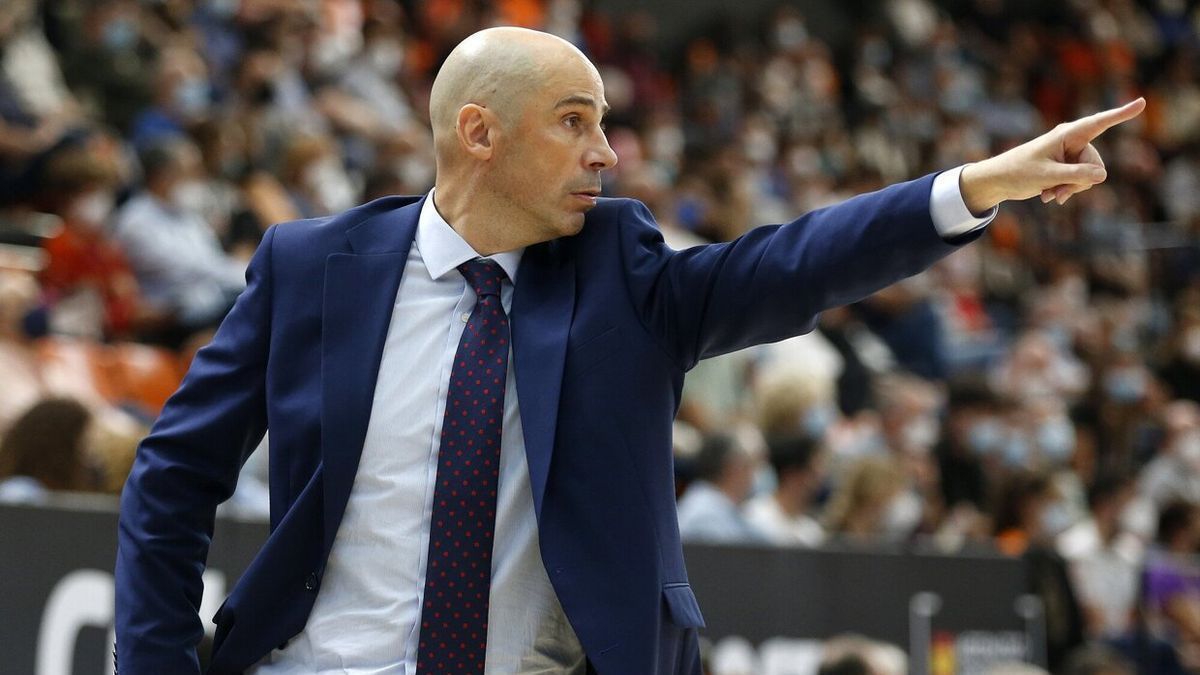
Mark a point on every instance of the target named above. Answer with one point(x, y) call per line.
point(604, 326)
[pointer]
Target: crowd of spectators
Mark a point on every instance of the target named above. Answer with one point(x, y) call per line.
point(1036, 394)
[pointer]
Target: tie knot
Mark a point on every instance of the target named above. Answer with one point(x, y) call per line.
point(484, 276)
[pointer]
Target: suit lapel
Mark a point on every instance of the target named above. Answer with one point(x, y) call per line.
point(360, 291)
point(543, 306)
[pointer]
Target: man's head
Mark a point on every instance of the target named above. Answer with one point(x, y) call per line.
point(516, 117)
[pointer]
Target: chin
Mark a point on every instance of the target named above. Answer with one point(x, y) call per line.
point(571, 226)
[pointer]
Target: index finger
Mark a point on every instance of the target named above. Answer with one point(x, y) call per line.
point(1094, 125)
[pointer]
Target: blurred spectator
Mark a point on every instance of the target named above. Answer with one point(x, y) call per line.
point(869, 501)
point(855, 655)
point(710, 509)
point(315, 178)
point(1105, 561)
point(46, 449)
point(1097, 659)
point(1031, 514)
point(1172, 581)
point(179, 263)
point(182, 98)
point(785, 514)
point(89, 286)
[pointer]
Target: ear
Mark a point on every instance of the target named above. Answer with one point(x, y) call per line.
point(476, 128)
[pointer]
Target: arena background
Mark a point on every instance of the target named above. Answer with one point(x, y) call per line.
point(993, 467)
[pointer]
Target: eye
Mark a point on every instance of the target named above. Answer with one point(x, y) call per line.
point(571, 121)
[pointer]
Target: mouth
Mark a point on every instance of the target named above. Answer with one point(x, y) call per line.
point(587, 196)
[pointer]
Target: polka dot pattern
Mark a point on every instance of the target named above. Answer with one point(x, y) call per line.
point(458, 576)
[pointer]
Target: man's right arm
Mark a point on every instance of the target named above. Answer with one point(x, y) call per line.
point(186, 467)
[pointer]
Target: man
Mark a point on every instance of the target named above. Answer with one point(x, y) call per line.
point(182, 270)
point(710, 509)
point(349, 343)
point(784, 514)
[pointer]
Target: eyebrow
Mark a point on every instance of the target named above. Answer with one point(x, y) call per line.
point(579, 99)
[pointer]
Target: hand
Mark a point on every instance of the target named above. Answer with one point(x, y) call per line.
point(1055, 165)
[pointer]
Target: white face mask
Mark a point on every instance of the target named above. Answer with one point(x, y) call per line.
point(921, 434)
point(1191, 344)
point(92, 209)
point(1055, 519)
point(1187, 448)
point(190, 195)
point(330, 186)
point(386, 57)
point(902, 517)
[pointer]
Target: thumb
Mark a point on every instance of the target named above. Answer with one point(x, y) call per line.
point(1076, 174)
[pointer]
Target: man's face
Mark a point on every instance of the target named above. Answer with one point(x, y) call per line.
point(548, 163)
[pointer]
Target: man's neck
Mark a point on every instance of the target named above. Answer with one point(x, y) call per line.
point(472, 213)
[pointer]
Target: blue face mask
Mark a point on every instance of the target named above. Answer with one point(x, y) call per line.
point(1125, 385)
point(817, 420)
point(1016, 450)
point(191, 96)
point(1055, 519)
point(765, 481)
point(985, 437)
point(120, 34)
point(1056, 439)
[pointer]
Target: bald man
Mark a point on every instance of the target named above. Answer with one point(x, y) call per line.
point(470, 394)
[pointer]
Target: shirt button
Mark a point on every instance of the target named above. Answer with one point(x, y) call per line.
point(466, 316)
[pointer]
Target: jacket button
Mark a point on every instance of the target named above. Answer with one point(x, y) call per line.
point(310, 584)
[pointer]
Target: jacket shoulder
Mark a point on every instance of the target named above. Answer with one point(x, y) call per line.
point(327, 234)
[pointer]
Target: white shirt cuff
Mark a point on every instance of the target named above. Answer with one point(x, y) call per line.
point(951, 217)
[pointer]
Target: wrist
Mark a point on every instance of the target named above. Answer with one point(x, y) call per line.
point(978, 188)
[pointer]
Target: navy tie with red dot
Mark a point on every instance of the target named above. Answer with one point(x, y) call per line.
point(458, 576)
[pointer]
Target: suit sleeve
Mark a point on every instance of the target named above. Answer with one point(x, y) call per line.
point(186, 467)
point(772, 282)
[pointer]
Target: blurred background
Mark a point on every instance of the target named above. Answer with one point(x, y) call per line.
point(1031, 401)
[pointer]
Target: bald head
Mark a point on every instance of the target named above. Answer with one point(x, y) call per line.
point(495, 68)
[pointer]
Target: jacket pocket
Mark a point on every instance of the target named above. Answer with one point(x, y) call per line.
point(682, 606)
point(593, 350)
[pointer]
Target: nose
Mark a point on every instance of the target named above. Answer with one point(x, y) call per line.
point(601, 156)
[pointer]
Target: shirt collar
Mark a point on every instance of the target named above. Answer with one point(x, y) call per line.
point(443, 249)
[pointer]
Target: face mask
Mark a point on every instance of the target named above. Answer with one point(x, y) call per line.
point(1060, 335)
point(764, 481)
point(817, 420)
point(1055, 519)
point(1187, 447)
point(759, 146)
point(902, 517)
point(1125, 339)
point(191, 96)
point(223, 9)
point(790, 33)
point(386, 58)
point(191, 196)
point(233, 169)
point(1056, 439)
point(921, 433)
point(1016, 450)
point(330, 185)
point(985, 437)
point(120, 34)
point(1139, 518)
point(1191, 344)
point(92, 209)
point(1125, 385)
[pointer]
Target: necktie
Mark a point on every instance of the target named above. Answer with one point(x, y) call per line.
point(458, 575)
